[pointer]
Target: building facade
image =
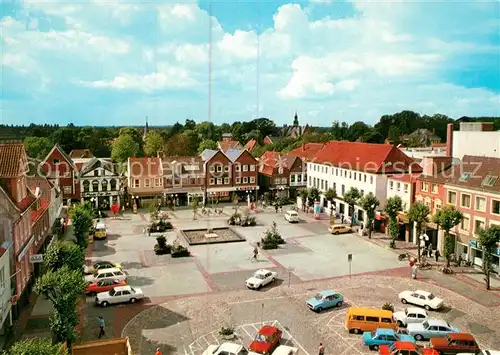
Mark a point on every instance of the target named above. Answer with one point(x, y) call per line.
point(245, 173)
point(7, 215)
point(478, 139)
point(100, 183)
point(274, 173)
point(144, 180)
point(183, 180)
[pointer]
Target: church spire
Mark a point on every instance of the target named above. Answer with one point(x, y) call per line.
point(296, 120)
point(145, 129)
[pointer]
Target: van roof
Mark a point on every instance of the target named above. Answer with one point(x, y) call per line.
point(100, 225)
point(111, 269)
point(370, 312)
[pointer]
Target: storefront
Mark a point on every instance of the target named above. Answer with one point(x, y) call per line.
point(247, 193)
point(182, 197)
point(462, 250)
point(477, 255)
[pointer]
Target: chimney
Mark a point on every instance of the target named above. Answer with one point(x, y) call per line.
point(449, 140)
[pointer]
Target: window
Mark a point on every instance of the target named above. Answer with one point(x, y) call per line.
point(465, 224)
point(292, 178)
point(252, 167)
point(212, 181)
point(252, 179)
point(146, 182)
point(238, 180)
point(465, 177)
point(372, 319)
point(478, 225)
point(136, 183)
point(452, 197)
point(343, 190)
point(96, 172)
point(354, 176)
point(226, 180)
point(489, 180)
point(480, 204)
point(238, 167)
point(336, 172)
point(391, 185)
point(434, 188)
point(362, 192)
point(406, 188)
point(386, 320)
point(219, 181)
point(219, 168)
point(299, 178)
point(437, 205)
point(371, 179)
point(364, 177)
point(245, 167)
point(465, 200)
point(280, 170)
point(226, 168)
point(424, 186)
point(2, 281)
point(245, 180)
point(495, 206)
point(212, 168)
point(398, 186)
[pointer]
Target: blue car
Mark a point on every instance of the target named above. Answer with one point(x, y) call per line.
point(325, 299)
point(384, 337)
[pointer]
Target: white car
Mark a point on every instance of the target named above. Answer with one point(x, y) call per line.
point(421, 298)
point(410, 315)
point(292, 216)
point(106, 274)
point(261, 278)
point(119, 294)
point(226, 349)
point(285, 350)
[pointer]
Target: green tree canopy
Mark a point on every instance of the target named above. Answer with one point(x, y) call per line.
point(62, 253)
point(447, 218)
point(313, 195)
point(369, 203)
point(207, 144)
point(124, 147)
point(330, 194)
point(35, 346)
point(81, 220)
point(351, 197)
point(153, 144)
point(418, 215)
point(488, 240)
point(393, 206)
point(38, 147)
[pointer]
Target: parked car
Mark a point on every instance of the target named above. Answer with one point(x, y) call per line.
point(455, 343)
point(106, 274)
point(292, 217)
point(226, 349)
point(339, 229)
point(431, 328)
point(405, 348)
point(120, 294)
point(261, 278)
point(267, 339)
point(100, 265)
point(104, 286)
point(286, 350)
point(410, 315)
point(384, 336)
point(325, 299)
point(421, 298)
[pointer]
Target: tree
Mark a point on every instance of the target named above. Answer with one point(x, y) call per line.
point(38, 147)
point(313, 195)
point(447, 218)
point(180, 144)
point(153, 144)
point(63, 287)
point(62, 253)
point(351, 197)
point(330, 194)
point(35, 346)
point(194, 206)
point(304, 194)
point(81, 220)
point(488, 240)
point(132, 132)
point(418, 215)
point(123, 148)
point(369, 203)
point(207, 144)
point(393, 206)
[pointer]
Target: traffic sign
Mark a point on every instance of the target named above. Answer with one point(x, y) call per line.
point(36, 258)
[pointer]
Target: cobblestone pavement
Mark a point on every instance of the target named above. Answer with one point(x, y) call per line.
point(186, 325)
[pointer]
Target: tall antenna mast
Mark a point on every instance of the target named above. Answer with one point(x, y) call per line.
point(257, 71)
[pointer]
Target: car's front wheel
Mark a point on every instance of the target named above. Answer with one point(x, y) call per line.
point(339, 304)
point(319, 309)
point(375, 347)
point(419, 337)
point(133, 300)
point(427, 307)
point(404, 301)
point(105, 304)
point(400, 324)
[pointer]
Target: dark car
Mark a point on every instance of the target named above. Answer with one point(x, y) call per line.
point(455, 343)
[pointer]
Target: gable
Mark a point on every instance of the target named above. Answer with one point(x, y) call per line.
point(57, 153)
point(219, 157)
point(246, 157)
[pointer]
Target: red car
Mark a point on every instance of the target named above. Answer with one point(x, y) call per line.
point(406, 348)
point(104, 286)
point(266, 340)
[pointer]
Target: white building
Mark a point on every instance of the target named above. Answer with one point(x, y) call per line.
point(402, 186)
point(365, 166)
point(419, 154)
point(100, 183)
point(476, 139)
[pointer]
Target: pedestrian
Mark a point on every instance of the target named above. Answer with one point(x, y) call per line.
point(414, 271)
point(430, 251)
point(341, 218)
point(321, 349)
point(255, 253)
point(437, 254)
point(158, 352)
point(276, 207)
point(101, 327)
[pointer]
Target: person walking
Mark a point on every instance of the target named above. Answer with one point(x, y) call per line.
point(255, 253)
point(321, 349)
point(437, 254)
point(101, 327)
point(158, 352)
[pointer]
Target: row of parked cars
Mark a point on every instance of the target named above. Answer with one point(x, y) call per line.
point(108, 282)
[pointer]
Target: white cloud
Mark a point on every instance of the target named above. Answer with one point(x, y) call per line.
point(241, 44)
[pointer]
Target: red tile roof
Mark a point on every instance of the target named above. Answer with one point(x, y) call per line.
point(251, 144)
point(144, 167)
point(229, 144)
point(26, 202)
point(2, 251)
point(13, 160)
point(307, 150)
point(367, 157)
point(35, 214)
point(271, 159)
point(405, 177)
point(81, 153)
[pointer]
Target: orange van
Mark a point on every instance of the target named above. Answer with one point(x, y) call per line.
point(359, 320)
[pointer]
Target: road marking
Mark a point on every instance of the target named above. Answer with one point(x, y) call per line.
point(267, 299)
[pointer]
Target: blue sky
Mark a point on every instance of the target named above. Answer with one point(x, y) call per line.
point(100, 62)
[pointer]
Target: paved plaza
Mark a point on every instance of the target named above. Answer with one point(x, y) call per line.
point(189, 299)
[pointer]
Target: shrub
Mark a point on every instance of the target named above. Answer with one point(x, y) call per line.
point(226, 331)
point(179, 251)
point(162, 247)
point(248, 221)
point(388, 307)
point(235, 219)
point(272, 238)
point(160, 226)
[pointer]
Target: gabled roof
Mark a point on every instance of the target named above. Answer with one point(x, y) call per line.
point(144, 167)
point(367, 157)
point(13, 160)
point(181, 164)
point(208, 154)
point(81, 153)
point(307, 150)
point(63, 154)
point(251, 144)
point(226, 144)
point(95, 163)
point(271, 160)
